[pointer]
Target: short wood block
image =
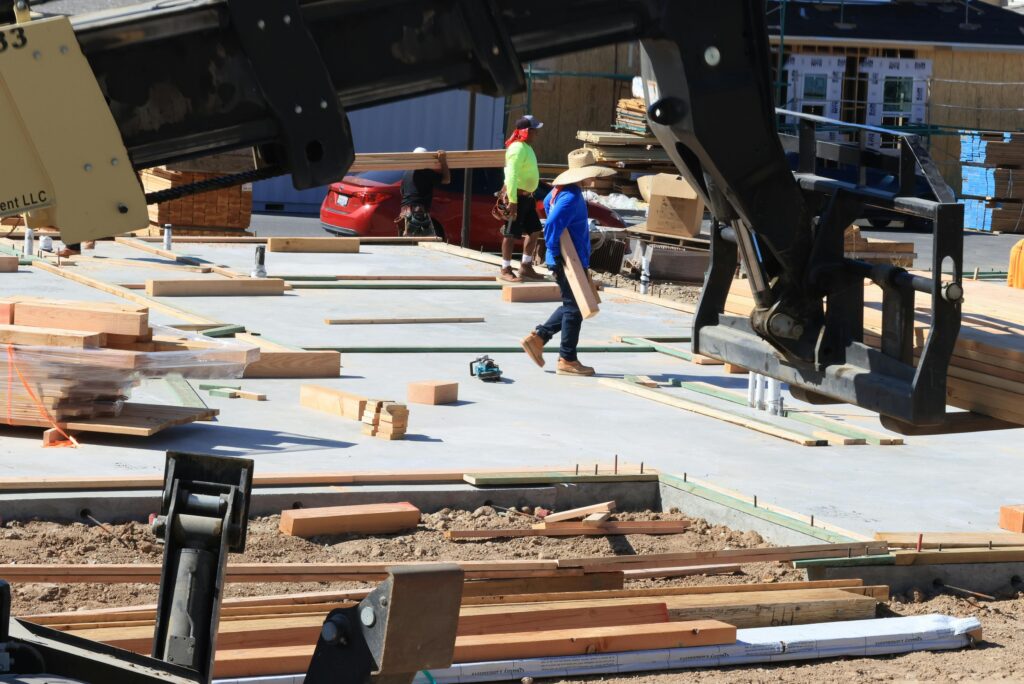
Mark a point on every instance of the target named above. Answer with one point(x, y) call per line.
point(386, 518)
point(333, 245)
point(533, 292)
point(433, 392)
point(8, 264)
point(733, 369)
point(1011, 518)
point(6, 311)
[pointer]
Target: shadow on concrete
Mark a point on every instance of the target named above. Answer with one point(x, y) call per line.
point(221, 438)
point(422, 438)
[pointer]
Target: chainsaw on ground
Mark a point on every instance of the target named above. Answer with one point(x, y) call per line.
point(485, 368)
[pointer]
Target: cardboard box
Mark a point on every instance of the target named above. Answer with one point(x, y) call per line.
point(675, 207)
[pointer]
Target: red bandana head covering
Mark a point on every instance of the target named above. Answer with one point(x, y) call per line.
point(518, 135)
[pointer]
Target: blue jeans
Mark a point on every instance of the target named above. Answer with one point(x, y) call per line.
point(566, 319)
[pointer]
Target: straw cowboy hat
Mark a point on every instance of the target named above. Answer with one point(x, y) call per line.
point(582, 166)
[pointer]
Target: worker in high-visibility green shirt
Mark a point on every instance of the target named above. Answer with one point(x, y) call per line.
point(521, 180)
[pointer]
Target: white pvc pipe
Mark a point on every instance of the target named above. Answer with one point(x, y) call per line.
point(751, 389)
point(167, 237)
point(759, 393)
point(774, 396)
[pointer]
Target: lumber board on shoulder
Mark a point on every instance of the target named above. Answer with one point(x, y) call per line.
point(950, 540)
point(333, 245)
point(581, 512)
point(219, 287)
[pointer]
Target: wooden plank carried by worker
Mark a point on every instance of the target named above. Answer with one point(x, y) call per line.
point(329, 400)
point(219, 287)
point(323, 245)
point(384, 518)
point(531, 292)
point(579, 281)
point(97, 317)
point(49, 337)
point(582, 512)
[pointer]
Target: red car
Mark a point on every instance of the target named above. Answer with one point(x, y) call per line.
point(367, 204)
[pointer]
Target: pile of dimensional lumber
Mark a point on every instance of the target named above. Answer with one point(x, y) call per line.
point(409, 161)
point(625, 150)
point(875, 251)
point(504, 618)
point(986, 373)
point(78, 360)
point(381, 418)
point(229, 208)
point(991, 164)
point(631, 116)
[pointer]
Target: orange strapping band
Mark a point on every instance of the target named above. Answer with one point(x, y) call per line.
point(12, 368)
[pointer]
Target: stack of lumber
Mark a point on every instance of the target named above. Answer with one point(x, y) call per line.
point(228, 208)
point(989, 162)
point(986, 373)
point(277, 634)
point(385, 419)
point(626, 152)
point(631, 116)
point(77, 361)
point(875, 251)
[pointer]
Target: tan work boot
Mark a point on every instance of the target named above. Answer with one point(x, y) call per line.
point(533, 345)
point(509, 275)
point(526, 272)
point(573, 368)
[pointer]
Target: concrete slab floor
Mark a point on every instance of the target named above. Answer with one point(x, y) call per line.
point(536, 418)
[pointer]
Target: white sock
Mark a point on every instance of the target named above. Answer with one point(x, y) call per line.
point(527, 259)
point(505, 263)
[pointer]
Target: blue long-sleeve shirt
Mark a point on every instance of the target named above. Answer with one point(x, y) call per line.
point(568, 211)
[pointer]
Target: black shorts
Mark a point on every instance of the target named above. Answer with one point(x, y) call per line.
point(526, 222)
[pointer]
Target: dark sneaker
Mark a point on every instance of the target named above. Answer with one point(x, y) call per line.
point(573, 368)
point(534, 346)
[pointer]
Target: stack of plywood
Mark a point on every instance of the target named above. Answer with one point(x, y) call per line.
point(78, 361)
point(228, 208)
point(992, 165)
point(986, 373)
point(385, 419)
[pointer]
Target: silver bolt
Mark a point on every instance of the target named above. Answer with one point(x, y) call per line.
point(495, 51)
point(114, 161)
point(287, 19)
point(712, 56)
point(298, 109)
point(88, 167)
point(367, 616)
point(37, 55)
point(64, 49)
point(952, 292)
point(323, 104)
point(21, 5)
point(383, 601)
point(260, 24)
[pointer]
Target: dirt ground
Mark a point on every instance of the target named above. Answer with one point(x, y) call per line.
point(1001, 657)
point(679, 292)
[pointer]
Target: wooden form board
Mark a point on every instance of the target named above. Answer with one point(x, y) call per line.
point(949, 540)
point(576, 530)
point(582, 512)
point(220, 287)
point(329, 400)
point(1006, 554)
point(382, 518)
point(685, 571)
point(531, 293)
point(322, 245)
point(579, 280)
point(280, 361)
point(595, 581)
